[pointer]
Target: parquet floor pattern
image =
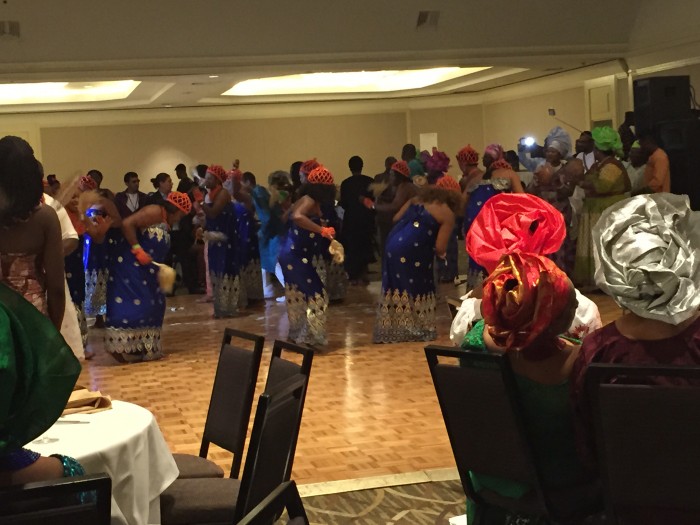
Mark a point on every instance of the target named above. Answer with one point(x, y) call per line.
point(370, 409)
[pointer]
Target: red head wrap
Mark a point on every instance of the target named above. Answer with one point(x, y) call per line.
point(468, 155)
point(309, 166)
point(218, 171)
point(501, 164)
point(448, 183)
point(514, 223)
point(523, 297)
point(181, 201)
point(320, 175)
point(87, 183)
point(402, 168)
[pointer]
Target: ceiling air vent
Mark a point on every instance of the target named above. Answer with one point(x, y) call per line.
point(427, 19)
point(9, 29)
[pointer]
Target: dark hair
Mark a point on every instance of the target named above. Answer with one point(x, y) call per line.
point(294, 173)
point(21, 188)
point(512, 158)
point(408, 152)
point(355, 164)
point(51, 179)
point(180, 167)
point(201, 170)
point(129, 175)
point(431, 193)
point(95, 175)
point(169, 206)
point(248, 177)
point(648, 135)
point(321, 193)
point(587, 133)
point(159, 179)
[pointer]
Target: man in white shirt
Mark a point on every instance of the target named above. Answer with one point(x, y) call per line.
point(584, 150)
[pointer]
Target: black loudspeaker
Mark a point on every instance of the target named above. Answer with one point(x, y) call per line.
point(680, 139)
point(659, 99)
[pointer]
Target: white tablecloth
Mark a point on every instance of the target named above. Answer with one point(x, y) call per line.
point(126, 444)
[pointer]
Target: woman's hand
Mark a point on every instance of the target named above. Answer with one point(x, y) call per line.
point(141, 256)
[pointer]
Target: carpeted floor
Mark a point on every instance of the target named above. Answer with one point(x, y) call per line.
point(432, 503)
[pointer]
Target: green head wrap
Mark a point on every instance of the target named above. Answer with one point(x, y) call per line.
point(607, 139)
point(415, 167)
point(37, 372)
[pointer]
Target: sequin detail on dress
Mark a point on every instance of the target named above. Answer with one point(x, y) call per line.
point(19, 272)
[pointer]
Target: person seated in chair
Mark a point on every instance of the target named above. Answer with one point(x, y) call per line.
point(527, 303)
point(646, 251)
point(37, 373)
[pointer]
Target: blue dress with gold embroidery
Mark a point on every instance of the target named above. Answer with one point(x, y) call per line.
point(336, 278)
point(96, 267)
point(303, 265)
point(135, 304)
point(222, 239)
point(406, 310)
point(248, 253)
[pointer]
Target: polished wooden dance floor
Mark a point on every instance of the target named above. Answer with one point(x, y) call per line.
point(371, 409)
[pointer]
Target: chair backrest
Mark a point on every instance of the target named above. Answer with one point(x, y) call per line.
point(285, 496)
point(282, 369)
point(647, 423)
point(85, 499)
point(232, 396)
point(272, 443)
point(453, 304)
point(478, 399)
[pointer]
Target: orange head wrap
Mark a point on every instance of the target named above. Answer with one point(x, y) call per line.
point(514, 223)
point(468, 155)
point(402, 168)
point(523, 297)
point(181, 201)
point(309, 166)
point(448, 183)
point(218, 171)
point(320, 175)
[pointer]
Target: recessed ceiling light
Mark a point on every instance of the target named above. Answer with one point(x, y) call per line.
point(213, 76)
point(65, 92)
point(349, 82)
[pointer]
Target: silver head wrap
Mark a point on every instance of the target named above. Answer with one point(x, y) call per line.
point(647, 256)
point(560, 140)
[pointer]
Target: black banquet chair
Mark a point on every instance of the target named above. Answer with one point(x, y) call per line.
point(647, 437)
point(478, 398)
point(66, 501)
point(285, 497)
point(272, 442)
point(229, 408)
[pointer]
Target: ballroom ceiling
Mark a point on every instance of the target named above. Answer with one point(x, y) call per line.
point(189, 52)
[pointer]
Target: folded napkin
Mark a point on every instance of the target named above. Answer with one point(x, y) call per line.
point(82, 401)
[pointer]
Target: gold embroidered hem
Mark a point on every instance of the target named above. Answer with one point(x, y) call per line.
point(251, 280)
point(96, 292)
point(336, 281)
point(226, 290)
point(402, 317)
point(133, 345)
point(307, 316)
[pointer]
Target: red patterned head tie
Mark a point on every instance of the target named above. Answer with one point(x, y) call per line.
point(181, 201)
point(468, 155)
point(402, 168)
point(320, 175)
point(87, 183)
point(523, 297)
point(218, 172)
point(448, 183)
point(309, 166)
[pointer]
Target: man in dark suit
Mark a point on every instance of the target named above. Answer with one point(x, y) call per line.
point(131, 199)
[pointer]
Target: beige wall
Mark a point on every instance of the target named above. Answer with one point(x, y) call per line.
point(506, 122)
point(262, 145)
point(455, 127)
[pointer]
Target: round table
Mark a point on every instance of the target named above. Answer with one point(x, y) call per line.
point(126, 444)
